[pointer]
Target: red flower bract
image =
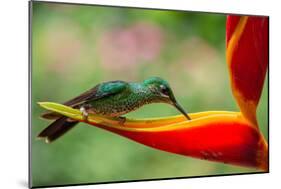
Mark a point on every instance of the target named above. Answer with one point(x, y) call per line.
point(247, 57)
point(222, 138)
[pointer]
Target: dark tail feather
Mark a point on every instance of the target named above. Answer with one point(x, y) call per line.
point(57, 129)
point(51, 115)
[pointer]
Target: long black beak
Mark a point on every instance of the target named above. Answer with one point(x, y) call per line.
point(181, 110)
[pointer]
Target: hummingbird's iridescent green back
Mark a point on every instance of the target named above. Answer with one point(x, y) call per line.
point(131, 97)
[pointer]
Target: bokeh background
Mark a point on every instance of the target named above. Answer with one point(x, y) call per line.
point(75, 47)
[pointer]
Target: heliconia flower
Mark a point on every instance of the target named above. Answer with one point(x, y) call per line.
point(247, 58)
point(222, 136)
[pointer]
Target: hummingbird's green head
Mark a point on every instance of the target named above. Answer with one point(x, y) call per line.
point(163, 92)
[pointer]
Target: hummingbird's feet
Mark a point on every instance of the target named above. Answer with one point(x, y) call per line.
point(84, 112)
point(121, 120)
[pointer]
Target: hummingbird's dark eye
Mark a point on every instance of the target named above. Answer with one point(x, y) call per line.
point(164, 89)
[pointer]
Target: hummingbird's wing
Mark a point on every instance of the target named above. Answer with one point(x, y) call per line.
point(99, 91)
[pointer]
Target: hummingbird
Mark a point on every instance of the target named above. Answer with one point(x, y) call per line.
point(111, 99)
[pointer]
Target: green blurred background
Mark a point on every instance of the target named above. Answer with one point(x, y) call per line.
point(75, 47)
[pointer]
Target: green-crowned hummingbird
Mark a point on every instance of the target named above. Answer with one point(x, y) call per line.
point(112, 99)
